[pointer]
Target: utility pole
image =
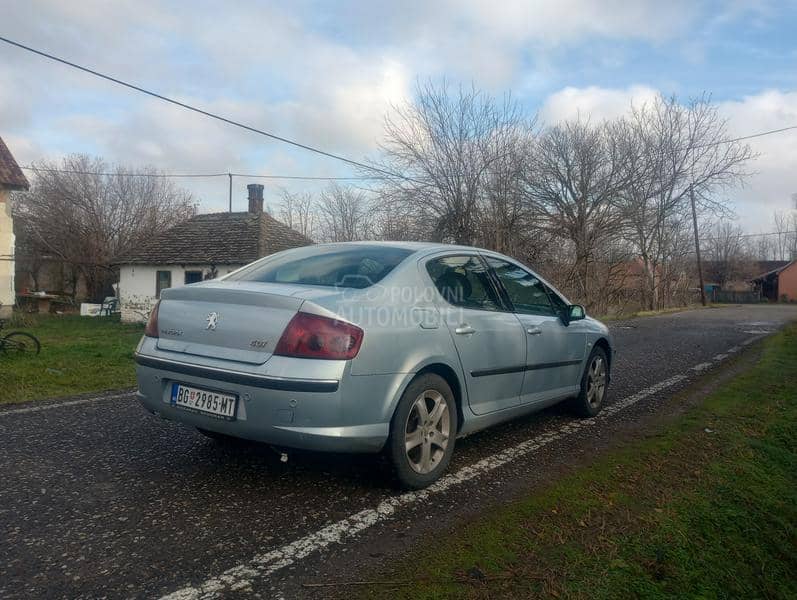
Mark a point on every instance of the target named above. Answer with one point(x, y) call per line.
point(697, 248)
point(230, 176)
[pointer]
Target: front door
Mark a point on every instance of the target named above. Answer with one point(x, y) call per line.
point(554, 351)
point(489, 340)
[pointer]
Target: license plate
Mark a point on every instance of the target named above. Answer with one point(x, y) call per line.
point(208, 402)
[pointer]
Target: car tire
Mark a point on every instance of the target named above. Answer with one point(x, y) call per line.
point(594, 384)
point(432, 433)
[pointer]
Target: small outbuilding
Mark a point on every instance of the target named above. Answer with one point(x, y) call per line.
point(203, 247)
point(11, 179)
point(779, 284)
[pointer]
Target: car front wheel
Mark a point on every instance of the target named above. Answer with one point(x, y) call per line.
point(423, 431)
point(594, 384)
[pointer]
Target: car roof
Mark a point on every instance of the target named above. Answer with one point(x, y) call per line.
point(412, 246)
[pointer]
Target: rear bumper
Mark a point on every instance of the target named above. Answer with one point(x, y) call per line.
point(309, 414)
point(268, 382)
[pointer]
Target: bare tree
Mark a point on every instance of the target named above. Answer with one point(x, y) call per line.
point(505, 222)
point(395, 221)
point(760, 247)
point(299, 211)
point(585, 202)
point(343, 213)
point(456, 149)
point(785, 239)
point(85, 219)
point(725, 249)
point(672, 147)
point(573, 175)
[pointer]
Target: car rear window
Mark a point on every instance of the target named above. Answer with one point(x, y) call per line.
point(351, 267)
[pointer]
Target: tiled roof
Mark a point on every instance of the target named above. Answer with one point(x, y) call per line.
point(218, 239)
point(11, 177)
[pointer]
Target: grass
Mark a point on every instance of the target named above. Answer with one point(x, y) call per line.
point(705, 508)
point(652, 313)
point(78, 354)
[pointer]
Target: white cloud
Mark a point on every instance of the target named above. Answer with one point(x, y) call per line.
point(594, 103)
point(775, 178)
point(571, 20)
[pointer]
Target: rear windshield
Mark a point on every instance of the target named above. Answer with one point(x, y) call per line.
point(349, 267)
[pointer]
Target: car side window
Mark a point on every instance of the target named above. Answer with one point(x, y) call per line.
point(559, 305)
point(527, 293)
point(464, 281)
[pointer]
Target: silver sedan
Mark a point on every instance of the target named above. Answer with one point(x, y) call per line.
point(369, 347)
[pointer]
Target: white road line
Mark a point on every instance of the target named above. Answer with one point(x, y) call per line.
point(701, 367)
point(30, 409)
point(733, 350)
point(260, 566)
point(721, 357)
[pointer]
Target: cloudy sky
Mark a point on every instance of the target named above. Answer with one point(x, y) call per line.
point(325, 73)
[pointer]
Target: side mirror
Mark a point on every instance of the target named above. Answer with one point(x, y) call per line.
point(574, 312)
point(577, 312)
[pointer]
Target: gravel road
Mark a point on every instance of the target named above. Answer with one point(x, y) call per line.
point(100, 499)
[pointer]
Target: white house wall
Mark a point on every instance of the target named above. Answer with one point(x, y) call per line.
point(6, 254)
point(137, 286)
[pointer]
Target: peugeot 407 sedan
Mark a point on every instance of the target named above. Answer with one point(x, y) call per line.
point(370, 347)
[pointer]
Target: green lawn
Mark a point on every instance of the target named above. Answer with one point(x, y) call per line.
point(79, 354)
point(707, 508)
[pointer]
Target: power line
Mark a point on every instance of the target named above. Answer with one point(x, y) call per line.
point(205, 112)
point(306, 177)
point(121, 173)
point(747, 235)
point(749, 137)
point(198, 175)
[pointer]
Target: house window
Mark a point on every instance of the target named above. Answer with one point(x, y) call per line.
point(163, 280)
point(193, 277)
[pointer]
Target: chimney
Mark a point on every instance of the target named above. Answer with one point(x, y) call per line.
point(255, 198)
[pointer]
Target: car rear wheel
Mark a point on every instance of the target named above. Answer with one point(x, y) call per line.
point(423, 431)
point(594, 384)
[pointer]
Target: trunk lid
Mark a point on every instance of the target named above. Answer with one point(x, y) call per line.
point(237, 321)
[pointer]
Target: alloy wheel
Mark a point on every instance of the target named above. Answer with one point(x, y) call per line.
point(427, 431)
point(596, 381)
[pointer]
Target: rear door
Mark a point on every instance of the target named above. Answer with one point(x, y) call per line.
point(489, 339)
point(554, 351)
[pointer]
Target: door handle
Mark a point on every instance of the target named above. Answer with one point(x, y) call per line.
point(534, 331)
point(464, 330)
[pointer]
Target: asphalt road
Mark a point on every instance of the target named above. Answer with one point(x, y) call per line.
point(100, 499)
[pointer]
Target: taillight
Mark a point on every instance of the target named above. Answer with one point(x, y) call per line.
point(313, 336)
point(151, 330)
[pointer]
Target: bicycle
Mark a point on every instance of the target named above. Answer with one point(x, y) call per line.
point(18, 342)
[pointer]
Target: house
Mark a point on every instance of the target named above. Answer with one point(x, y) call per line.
point(779, 283)
point(203, 247)
point(11, 179)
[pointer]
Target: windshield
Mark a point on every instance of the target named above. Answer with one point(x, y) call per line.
point(349, 267)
